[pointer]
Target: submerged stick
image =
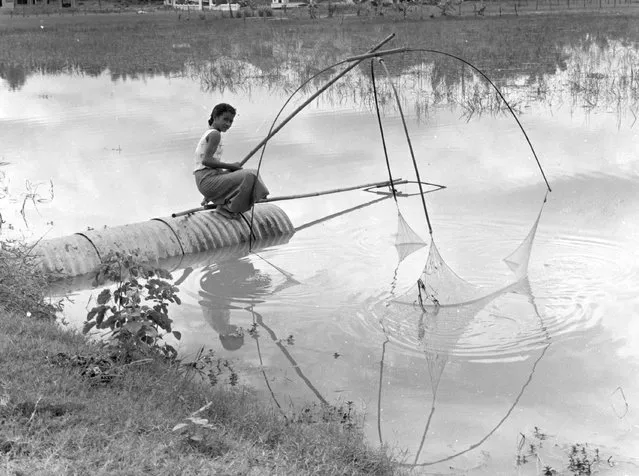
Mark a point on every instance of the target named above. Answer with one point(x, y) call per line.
point(397, 181)
point(317, 93)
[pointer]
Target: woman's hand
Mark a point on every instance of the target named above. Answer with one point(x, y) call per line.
point(233, 166)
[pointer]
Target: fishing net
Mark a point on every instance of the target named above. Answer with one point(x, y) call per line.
point(406, 240)
point(438, 285)
point(438, 310)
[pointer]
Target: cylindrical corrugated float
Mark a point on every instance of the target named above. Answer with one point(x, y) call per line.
point(161, 239)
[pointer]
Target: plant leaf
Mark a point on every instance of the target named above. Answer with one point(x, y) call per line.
point(92, 313)
point(104, 296)
point(198, 421)
point(179, 426)
point(133, 327)
point(100, 316)
point(177, 334)
point(88, 326)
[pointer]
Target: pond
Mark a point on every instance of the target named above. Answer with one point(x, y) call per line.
point(543, 373)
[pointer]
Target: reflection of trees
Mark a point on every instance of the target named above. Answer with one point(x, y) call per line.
point(520, 59)
point(590, 74)
point(15, 75)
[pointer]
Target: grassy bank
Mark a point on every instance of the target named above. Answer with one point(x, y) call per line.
point(67, 409)
point(126, 404)
point(173, 43)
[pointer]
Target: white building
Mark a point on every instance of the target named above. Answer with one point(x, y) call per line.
point(201, 5)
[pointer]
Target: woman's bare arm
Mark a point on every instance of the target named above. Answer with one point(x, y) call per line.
point(212, 142)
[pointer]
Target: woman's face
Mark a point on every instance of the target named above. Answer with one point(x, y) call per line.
point(224, 121)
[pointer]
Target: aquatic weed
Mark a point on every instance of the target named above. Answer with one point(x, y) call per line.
point(581, 459)
point(207, 366)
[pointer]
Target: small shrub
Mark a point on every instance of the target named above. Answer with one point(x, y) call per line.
point(332, 8)
point(136, 327)
point(23, 284)
point(263, 11)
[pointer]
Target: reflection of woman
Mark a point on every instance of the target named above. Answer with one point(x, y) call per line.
point(234, 284)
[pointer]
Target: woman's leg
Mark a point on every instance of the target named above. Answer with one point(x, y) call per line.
point(211, 186)
point(248, 190)
point(236, 191)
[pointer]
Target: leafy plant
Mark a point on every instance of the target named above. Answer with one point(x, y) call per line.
point(137, 327)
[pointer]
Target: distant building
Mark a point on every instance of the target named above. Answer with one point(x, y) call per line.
point(14, 4)
point(283, 4)
point(200, 5)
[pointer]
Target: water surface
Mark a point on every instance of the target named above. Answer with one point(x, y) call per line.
point(305, 314)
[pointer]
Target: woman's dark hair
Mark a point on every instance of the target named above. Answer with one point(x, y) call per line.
point(219, 110)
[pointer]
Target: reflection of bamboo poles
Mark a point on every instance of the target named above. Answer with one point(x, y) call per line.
point(436, 368)
point(259, 353)
point(455, 318)
point(379, 393)
point(260, 321)
point(340, 213)
point(290, 279)
point(499, 423)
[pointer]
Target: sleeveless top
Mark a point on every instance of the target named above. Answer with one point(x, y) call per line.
point(199, 154)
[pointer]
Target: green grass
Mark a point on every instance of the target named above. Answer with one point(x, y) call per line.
point(60, 416)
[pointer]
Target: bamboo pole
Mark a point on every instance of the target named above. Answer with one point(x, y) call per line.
point(397, 181)
point(375, 54)
point(317, 93)
point(410, 145)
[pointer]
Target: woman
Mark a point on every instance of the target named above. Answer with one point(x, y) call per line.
point(231, 188)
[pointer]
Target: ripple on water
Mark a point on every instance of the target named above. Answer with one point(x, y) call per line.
point(348, 274)
point(573, 278)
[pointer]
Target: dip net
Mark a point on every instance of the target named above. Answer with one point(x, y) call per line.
point(438, 285)
point(436, 312)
